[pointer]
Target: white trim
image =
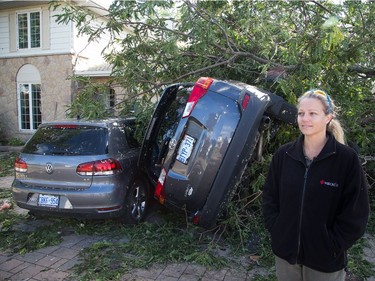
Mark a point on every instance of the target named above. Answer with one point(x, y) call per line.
point(19, 107)
point(98, 73)
point(30, 53)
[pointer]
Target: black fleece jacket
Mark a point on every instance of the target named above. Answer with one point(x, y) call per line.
point(314, 214)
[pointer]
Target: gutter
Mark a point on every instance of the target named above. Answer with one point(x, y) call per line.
point(94, 73)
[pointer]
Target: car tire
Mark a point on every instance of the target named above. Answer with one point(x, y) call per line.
point(137, 201)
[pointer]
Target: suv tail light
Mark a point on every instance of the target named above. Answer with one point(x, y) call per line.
point(99, 168)
point(196, 219)
point(245, 101)
point(20, 165)
point(159, 190)
point(199, 90)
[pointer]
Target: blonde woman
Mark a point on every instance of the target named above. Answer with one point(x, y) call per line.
point(315, 200)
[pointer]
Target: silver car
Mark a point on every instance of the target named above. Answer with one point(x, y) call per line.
point(82, 168)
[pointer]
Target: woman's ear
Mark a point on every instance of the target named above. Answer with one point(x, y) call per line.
point(329, 118)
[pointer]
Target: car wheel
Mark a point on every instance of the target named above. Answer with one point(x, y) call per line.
point(136, 202)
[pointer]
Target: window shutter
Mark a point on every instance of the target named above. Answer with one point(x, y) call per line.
point(12, 33)
point(45, 29)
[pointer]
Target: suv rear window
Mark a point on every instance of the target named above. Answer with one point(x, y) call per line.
point(68, 140)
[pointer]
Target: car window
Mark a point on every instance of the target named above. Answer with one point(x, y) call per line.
point(169, 124)
point(173, 115)
point(68, 140)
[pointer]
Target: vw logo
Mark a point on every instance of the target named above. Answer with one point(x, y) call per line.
point(49, 168)
point(172, 143)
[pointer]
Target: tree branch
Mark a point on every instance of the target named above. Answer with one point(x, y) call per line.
point(368, 72)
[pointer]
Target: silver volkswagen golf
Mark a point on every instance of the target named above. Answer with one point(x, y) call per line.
point(82, 168)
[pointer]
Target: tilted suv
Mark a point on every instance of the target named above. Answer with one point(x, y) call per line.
point(200, 139)
point(82, 168)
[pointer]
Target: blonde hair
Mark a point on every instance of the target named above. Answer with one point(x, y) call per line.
point(334, 126)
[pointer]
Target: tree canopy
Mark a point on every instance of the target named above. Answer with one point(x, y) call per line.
point(286, 47)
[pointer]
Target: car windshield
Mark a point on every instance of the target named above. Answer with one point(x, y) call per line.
point(68, 140)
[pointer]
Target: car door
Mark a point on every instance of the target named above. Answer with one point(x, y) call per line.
point(161, 127)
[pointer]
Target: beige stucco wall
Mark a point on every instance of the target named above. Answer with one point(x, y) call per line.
point(56, 90)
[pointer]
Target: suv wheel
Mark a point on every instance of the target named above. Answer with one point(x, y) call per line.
point(136, 202)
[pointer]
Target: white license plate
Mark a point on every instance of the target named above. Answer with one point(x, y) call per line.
point(185, 149)
point(48, 200)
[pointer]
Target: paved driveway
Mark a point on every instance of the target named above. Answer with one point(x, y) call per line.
point(56, 262)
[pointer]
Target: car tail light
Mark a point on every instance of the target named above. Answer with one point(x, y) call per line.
point(99, 168)
point(199, 90)
point(245, 101)
point(159, 190)
point(20, 165)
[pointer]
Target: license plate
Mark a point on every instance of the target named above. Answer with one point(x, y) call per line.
point(185, 149)
point(48, 200)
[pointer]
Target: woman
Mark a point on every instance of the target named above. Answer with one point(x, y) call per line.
point(315, 200)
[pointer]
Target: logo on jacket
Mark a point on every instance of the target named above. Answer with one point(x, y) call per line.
point(327, 183)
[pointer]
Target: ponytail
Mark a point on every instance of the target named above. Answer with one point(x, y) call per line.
point(335, 128)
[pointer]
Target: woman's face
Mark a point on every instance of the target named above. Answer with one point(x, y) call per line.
point(312, 119)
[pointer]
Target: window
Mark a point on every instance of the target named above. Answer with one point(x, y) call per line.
point(29, 30)
point(29, 103)
point(112, 97)
point(29, 96)
point(109, 98)
point(69, 140)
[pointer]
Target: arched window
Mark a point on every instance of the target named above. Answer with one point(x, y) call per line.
point(29, 97)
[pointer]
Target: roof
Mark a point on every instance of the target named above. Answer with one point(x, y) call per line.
point(8, 4)
point(102, 70)
point(98, 6)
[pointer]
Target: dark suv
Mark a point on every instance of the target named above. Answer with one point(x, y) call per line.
point(200, 139)
point(82, 168)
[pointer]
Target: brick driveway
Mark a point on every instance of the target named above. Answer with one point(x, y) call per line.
point(55, 263)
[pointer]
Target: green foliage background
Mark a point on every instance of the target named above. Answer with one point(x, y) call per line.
point(286, 47)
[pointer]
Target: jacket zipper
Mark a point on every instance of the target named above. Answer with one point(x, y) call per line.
point(301, 212)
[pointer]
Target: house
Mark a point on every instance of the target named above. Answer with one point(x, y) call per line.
point(37, 58)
